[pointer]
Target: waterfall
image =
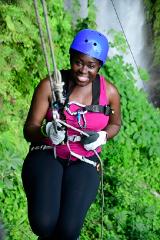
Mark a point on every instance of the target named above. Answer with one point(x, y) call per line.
point(132, 17)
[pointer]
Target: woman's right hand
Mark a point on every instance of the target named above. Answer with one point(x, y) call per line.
point(55, 132)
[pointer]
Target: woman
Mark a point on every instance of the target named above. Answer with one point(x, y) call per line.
point(60, 173)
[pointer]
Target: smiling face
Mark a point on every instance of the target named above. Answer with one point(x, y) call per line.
point(84, 68)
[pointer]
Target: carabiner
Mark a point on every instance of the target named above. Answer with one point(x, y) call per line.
point(80, 116)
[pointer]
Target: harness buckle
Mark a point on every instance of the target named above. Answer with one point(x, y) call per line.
point(108, 110)
point(98, 167)
point(74, 138)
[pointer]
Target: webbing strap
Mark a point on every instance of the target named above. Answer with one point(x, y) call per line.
point(42, 147)
point(83, 159)
point(99, 108)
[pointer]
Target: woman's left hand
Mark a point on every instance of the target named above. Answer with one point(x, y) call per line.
point(94, 140)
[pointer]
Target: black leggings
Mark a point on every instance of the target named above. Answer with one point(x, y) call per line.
point(58, 194)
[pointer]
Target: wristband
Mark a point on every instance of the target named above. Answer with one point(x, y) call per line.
point(43, 130)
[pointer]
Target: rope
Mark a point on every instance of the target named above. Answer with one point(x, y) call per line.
point(102, 192)
point(57, 85)
point(44, 49)
point(49, 33)
point(126, 39)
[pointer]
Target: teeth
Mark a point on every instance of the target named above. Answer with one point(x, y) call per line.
point(83, 78)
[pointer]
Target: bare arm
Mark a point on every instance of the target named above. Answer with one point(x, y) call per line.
point(114, 125)
point(37, 112)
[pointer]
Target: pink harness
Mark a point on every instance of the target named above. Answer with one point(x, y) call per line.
point(94, 122)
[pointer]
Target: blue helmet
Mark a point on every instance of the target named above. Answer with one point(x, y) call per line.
point(92, 43)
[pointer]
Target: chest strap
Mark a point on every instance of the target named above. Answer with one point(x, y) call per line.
point(107, 110)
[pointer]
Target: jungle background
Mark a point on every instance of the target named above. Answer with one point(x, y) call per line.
point(131, 160)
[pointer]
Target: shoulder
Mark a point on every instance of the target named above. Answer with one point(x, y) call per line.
point(44, 88)
point(112, 91)
point(44, 84)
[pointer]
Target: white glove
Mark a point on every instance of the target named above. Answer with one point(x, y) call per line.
point(56, 137)
point(94, 140)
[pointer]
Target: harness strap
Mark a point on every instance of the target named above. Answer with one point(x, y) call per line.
point(107, 110)
point(42, 147)
point(83, 159)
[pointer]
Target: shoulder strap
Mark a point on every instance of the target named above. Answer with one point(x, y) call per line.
point(96, 90)
point(65, 76)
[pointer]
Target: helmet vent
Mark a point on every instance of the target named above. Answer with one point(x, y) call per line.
point(95, 44)
point(86, 40)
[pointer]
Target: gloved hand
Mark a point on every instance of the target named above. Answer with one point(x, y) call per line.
point(56, 137)
point(94, 140)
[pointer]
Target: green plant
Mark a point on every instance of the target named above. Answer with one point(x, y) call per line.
point(131, 160)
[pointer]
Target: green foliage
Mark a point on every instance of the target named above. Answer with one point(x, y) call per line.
point(89, 21)
point(118, 41)
point(131, 166)
point(131, 160)
point(143, 74)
